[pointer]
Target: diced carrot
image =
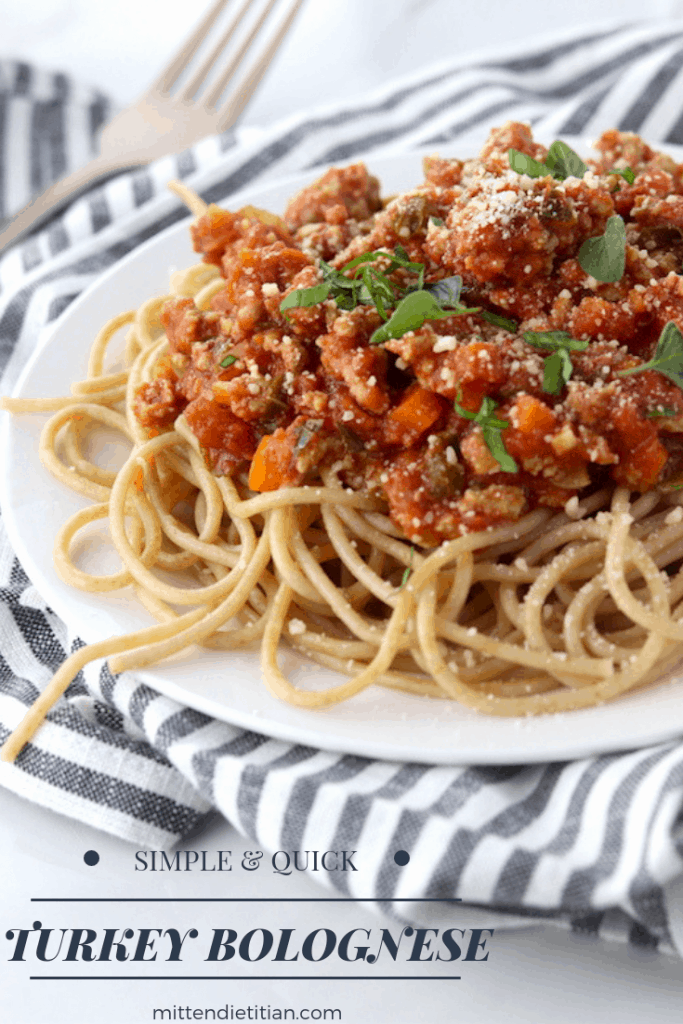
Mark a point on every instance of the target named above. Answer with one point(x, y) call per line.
point(645, 464)
point(418, 409)
point(266, 473)
point(221, 392)
point(532, 415)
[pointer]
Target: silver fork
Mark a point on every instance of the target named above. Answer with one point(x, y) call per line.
point(160, 123)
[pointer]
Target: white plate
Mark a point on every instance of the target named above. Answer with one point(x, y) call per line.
point(378, 722)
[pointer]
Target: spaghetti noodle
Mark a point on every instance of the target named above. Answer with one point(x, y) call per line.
point(545, 586)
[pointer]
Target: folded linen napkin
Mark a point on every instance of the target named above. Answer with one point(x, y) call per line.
point(594, 843)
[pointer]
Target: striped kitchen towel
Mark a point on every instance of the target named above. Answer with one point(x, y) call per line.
point(595, 843)
point(48, 126)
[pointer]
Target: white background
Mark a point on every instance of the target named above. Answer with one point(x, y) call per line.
point(337, 47)
point(539, 976)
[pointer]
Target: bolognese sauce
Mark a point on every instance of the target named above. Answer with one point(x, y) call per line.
point(525, 381)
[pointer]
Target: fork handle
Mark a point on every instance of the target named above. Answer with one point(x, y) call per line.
point(59, 195)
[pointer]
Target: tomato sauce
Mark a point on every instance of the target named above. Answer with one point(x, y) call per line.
point(279, 393)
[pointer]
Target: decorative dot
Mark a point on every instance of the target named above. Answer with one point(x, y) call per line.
point(401, 857)
point(371, 958)
point(91, 858)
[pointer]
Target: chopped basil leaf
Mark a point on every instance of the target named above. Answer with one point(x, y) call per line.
point(400, 259)
point(369, 286)
point(523, 164)
point(447, 292)
point(625, 172)
point(335, 278)
point(305, 297)
point(408, 569)
point(343, 290)
point(410, 314)
point(561, 162)
point(657, 413)
point(498, 321)
point(604, 257)
point(668, 357)
point(555, 340)
point(377, 290)
point(228, 361)
point(491, 428)
point(436, 221)
point(494, 443)
point(564, 162)
point(365, 257)
point(557, 368)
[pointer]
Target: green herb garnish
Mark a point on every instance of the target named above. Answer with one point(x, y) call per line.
point(624, 172)
point(564, 162)
point(498, 321)
point(375, 286)
point(655, 414)
point(523, 164)
point(561, 162)
point(431, 303)
point(228, 361)
point(491, 428)
point(410, 314)
point(344, 290)
point(447, 291)
point(408, 569)
point(604, 257)
point(447, 294)
point(668, 357)
point(367, 285)
point(305, 297)
point(436, 221)
point(557, 368)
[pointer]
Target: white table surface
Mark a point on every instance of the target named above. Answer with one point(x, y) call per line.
point(535, 976)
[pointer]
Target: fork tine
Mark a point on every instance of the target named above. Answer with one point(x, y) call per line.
point(179, 61)
point(200, 74)
point(214, 93)
point(241, 94)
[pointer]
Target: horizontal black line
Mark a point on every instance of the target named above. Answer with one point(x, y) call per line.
point(243, 899)
point(245, 977)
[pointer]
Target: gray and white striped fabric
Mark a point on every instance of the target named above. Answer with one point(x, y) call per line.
point(594, 843)
point(48, 125)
